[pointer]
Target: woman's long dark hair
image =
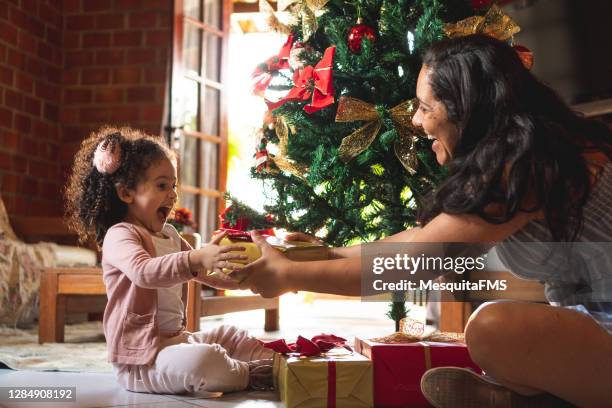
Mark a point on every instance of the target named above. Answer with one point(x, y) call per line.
point(519, 142)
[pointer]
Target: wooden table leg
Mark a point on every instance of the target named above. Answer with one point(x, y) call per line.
point(272, 320)
point(52, 311)
point(194, 306)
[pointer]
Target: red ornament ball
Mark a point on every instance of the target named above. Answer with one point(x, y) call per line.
point(357, 34)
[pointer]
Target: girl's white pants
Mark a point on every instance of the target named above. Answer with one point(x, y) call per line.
point(211, 360)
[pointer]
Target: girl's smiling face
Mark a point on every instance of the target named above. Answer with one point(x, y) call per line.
point(151, 202)
point(433, 118)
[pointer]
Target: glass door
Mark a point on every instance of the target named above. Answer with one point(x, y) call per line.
point(197, 106)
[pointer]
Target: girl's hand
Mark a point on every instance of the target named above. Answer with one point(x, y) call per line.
point(300, 236)
point(269, 275)
point(215, 258)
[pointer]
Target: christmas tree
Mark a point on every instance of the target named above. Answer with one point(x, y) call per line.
point(348, 165)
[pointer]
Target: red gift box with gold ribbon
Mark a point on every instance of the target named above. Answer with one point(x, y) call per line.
point(399, 366)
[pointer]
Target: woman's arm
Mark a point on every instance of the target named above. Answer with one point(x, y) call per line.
point(354, 251)
point(274, 274)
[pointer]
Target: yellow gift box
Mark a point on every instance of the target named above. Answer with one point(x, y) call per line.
point(294, 250)
point(341, 380)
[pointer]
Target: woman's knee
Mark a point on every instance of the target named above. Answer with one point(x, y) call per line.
point(488, 327)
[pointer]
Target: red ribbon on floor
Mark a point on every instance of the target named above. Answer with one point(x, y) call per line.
point(314, 347)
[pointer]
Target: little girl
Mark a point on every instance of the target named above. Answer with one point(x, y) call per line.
point(121, 191)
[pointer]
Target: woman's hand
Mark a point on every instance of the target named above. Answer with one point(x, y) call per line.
point(302, 237)
point(269, 275)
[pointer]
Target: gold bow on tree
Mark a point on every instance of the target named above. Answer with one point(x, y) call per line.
point(273, 21)
point(304, 10)
point(352, 109)
point(494, 23)
point(282, 131)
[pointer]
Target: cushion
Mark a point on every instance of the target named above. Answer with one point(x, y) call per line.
point(5, 227)
point(73, 256)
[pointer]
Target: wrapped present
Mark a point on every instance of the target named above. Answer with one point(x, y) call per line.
point(400, 360)
point(338, 378)
point(294, 250)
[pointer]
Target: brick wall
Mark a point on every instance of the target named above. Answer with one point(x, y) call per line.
point(66, 68)
point(30, 77)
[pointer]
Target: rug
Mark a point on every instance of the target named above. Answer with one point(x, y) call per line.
point(84, 350)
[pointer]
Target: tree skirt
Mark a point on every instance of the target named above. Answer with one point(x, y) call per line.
point(83, 351)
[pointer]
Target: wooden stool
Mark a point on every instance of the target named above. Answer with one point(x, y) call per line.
point(73, 289)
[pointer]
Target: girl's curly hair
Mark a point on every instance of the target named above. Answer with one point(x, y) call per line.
point(92, 203)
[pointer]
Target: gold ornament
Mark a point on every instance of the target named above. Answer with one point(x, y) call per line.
point(352, 109)
point(494, 23)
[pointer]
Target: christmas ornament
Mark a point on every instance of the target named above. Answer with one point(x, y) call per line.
point(294, 56)
point(352, 109)
point(261, 160)
point(306, 12)
point(312, 81)
point(525, 55)
point(494, 23)
point(357, 34)
point(262, 75)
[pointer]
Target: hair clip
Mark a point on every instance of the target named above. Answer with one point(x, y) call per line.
point(107, 157)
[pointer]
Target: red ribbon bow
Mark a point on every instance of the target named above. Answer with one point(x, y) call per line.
point(262, 75)
point(316, 346)
point(316, 82)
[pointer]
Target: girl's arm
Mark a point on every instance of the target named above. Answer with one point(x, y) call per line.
point(274, 274)
point(122, 249)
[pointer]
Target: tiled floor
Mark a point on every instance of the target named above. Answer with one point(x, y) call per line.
point(344, 318)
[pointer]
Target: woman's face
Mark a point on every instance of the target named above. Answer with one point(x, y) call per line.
point(432, 117)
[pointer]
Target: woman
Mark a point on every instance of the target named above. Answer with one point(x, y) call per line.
point(522, 166)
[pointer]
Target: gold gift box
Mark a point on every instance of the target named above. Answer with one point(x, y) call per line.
point(304, 382)
point(294, 250)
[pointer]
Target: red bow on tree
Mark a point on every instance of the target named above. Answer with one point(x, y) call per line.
point(262, 75)
point(314, 347)
point(316, 82)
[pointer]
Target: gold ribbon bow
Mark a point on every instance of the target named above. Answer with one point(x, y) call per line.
point(304, 10)
point(281, 161)
point(494, 23)
point(352, 109)
point(273, 21)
